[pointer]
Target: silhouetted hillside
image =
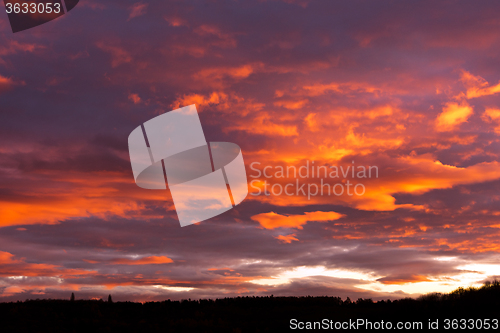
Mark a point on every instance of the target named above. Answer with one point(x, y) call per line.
point(245, 314)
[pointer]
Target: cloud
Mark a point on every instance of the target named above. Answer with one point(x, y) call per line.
point(12, 47)
point(477, 86)
point(5, 83)
point(143, 261)
point(215, 98)
point(491, 115)
point(403, 279)
point(119, 56)
point(292, 105)
point(264, 125)
point(11, 267)
point(176, 21)
point(137, 9)
point(411, 174)
point(134, 98)
point(286, 239)
point(302, 85)
point(453, 115)
point(219, 73)
point(272, 220)
point(225, 39)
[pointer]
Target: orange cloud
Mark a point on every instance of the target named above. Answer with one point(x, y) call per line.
point(343, 88)
point(240, 72)
point(311, 122)
point(272, 220)
point(403, 279)
point(134, 98)
point(478, 244)
point(286, 239)
point(262, 124)
point(408, 174)
point(7, 258)
point(292, 105)
point(175, 21)
point(226, 103)
point(477, 86)
point(79, 195)
point(218, 98)
point(143, 261)
point(453, 115)
point(423, 175)
point(5, 83)
point(492, 115)
point(221, 269)
point(19, 267)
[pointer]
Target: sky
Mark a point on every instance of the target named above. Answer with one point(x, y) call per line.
point(410, 89)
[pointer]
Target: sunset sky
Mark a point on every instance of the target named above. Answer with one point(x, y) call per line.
point(411, 87)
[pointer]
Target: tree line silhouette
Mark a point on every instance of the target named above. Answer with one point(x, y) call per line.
point(240, 314)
